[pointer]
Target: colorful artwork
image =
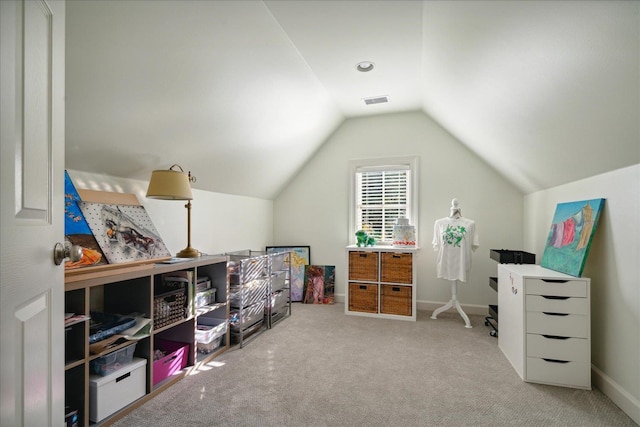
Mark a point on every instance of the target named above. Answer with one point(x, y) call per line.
point(300, 257)
point(124, 232)
point(319, 284)
point(77, 231)
point(572, 230)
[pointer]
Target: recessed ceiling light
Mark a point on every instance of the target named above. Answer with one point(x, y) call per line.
point(364, 66)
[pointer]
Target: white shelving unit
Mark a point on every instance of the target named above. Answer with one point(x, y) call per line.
point(381, 282)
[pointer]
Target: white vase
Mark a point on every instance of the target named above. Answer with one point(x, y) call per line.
point(404, 235)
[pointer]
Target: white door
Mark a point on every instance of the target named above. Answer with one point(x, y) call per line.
point(31, 212)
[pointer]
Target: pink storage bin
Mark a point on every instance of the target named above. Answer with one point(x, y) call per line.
point(176, 358)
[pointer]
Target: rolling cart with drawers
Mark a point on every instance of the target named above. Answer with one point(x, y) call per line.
point(503, 256)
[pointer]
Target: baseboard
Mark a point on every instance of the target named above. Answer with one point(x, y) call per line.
point(618, 395)
point(472, 309)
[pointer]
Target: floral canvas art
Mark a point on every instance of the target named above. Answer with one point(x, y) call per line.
point(319, 284)
point(570, 236)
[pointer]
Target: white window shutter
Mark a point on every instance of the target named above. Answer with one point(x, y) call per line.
point(382, 195)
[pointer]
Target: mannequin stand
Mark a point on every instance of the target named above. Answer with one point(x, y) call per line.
point(453, 302)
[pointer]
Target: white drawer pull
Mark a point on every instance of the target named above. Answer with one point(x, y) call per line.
point(553, 297)
point(554, 314)
point(554, 280)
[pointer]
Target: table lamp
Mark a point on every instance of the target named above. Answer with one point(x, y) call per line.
point(175, 184)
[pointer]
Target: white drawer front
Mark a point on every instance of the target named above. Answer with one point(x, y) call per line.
point(569, 288)
point(571, 349)
point(570, 325)
point(112, 393)
point(554, 305)
point(570, 374)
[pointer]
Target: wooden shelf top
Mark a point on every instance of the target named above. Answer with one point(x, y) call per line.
point(81, 277)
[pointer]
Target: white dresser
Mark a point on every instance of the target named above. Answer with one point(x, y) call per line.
point(545, 324)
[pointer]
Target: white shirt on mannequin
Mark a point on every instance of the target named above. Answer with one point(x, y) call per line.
point(455, 238)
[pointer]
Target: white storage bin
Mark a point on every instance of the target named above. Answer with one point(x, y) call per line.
point(110, 393)
point(210, 328)
point(203, 283)
point(205, 297)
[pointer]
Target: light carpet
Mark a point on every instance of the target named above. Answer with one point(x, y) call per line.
point(320, 367)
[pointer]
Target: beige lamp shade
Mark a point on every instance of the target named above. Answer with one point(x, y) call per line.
point(169, 185)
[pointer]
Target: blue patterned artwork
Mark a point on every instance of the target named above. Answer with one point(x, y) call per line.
point(77, 231)
point(569, 240)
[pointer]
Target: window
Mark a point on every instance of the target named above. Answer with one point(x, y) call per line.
point(383, 190)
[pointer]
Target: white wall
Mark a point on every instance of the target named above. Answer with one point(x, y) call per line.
point(613, 264)
point(219, 222)
point(313, 209)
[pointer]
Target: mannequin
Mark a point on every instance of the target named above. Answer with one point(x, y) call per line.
point(454, 238)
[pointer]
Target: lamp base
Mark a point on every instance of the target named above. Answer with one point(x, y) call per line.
point(188, 252)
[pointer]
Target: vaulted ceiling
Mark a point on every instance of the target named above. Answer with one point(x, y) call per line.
point(244, 92)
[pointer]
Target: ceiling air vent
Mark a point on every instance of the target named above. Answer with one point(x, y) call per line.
point(376, 100)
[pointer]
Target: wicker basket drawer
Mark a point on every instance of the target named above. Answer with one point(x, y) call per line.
point(169, 308)
point(363, 297)
point(363, 265)
point(396, 267)
point(395, 300)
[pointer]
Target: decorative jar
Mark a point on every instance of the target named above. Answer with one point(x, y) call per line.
point(404, 235)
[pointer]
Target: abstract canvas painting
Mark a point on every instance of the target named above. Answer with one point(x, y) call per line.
point(77, 231)
point(124, 232)
point(319, 284)
point(570, 236)
point(300, 257)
